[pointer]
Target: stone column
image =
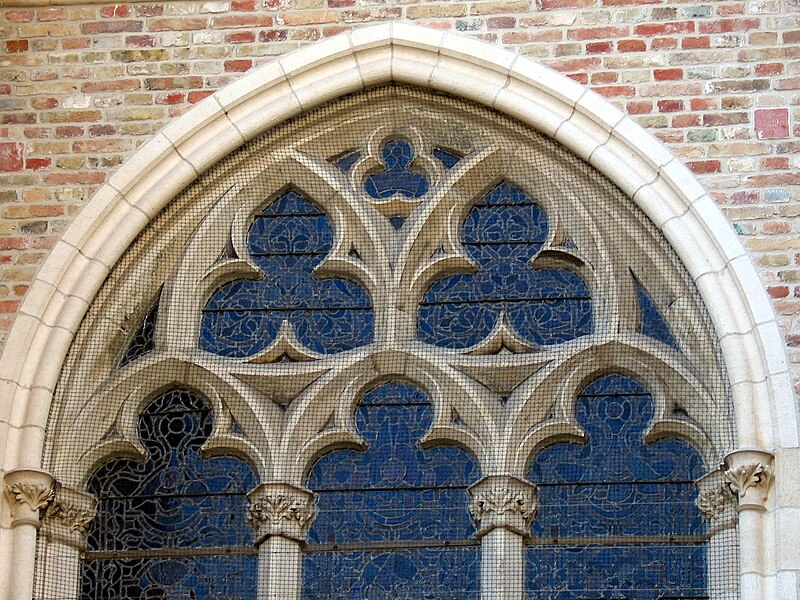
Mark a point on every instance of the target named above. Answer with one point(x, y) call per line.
point(717, 504)
point(27, 491)
point(749, 474)
point(63, 540)
point(281, 514)
point(503, 508)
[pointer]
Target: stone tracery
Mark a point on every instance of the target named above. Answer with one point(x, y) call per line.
point(397, 267)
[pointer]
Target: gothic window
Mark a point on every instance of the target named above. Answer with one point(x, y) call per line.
point(403, 347)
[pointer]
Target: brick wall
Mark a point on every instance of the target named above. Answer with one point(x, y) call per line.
point(82, 86)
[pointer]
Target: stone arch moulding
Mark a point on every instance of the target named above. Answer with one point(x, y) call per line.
point(752, 345)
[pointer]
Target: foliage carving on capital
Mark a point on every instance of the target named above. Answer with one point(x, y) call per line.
point(68, 516)
point(503, 501)
point(28, 491)
point(714, 502)
point(749, 475)
point(281, 509)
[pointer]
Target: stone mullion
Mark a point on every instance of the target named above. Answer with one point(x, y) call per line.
point(503, 508)
point(750, 475)
point(63, 540)
point(281, 515)
point(28, 492)
point(718, 507)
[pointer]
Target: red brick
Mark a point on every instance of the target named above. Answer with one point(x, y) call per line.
point(775, 162)
point(171, 83)
point(599, 47)
point(19, 16)
point(248, 5)
point(594, 33)
point(776, 227)
point(51, 14)
point(778, 291)
point(653, 29)
point(5, 89)
point(687, 120)
point(226, 21)
point(238, 66)
point(140, 41)
point(616, 91)
point(113, 85)
point(704, 166)
point(695, 43)
point(72, 179)
point(664, 43)
point(16, 46)
point(111, 26)
point(240, 37)
point(604, 77)
point(702, 104)
point(791, 83)
point(772, 123)
point(195, 97)
point(44, 103)
point(501, 22)
point(75, 43)
point(69, 131)
point(273, 35)
point(10, 157)
point(9, 306)
point(170, 98)
point(18, 118)
point(102, 130)
point(116, 10)
point(631, 46)
point(559, 4)
point(640, 107)
point(791, 37)
point(769, 69)
point(667, 74)
point(13, 243)
point(669, 105)
point(728, 25)
point(36, 164)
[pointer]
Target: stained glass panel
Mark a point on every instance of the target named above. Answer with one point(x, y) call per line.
point(617, 515)
point(287, 241)
point(376, 507)
point(398, 176)
point(151, 510)
point(144, 340)
point(653, 323)
point(501, 234)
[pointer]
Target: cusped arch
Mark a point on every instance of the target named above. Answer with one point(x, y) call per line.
point(657, 181)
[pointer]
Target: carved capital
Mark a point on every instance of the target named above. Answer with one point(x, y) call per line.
point(749, 474)
point(281, 509)
point(28, 491)
point(68, 516)
point(504, 501)
point(716, 501)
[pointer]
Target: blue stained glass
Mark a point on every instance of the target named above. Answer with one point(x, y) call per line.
point(287, 241)
point(347, 160)
point(652, 321)
point(617, 486)
point(144, 340)
point(175, 499)
point(395, 492)
point(397, 177)
point(501, 234)
point(448, 158)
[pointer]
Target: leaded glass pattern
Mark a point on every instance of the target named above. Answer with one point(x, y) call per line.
point(152, 510)
point(503, 232)
point(653, 323)
point(617, 515)
point(494, 270)
point(393, 520)
point(399, 176)
point(287, 241)
point(144, 340)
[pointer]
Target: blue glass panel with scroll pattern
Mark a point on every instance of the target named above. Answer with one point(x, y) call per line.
point(448, 158)
point(501, 234)
point(652, 322)
point(397, 177)
point(175, 499)
point(614, 487)
point(371, 503)
point(287, 241)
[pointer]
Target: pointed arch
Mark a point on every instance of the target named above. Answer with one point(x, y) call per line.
point(657, 181)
